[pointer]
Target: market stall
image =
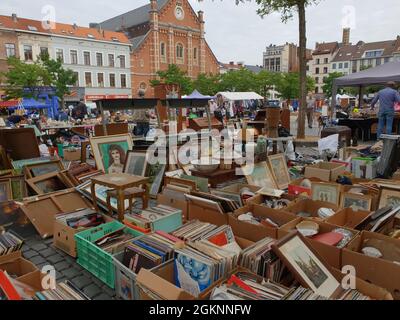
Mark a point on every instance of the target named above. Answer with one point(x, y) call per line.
point(375, 76)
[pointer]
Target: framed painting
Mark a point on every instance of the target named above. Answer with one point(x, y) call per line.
point(110, 152)
point(389, 197)
point(39, 169)
point(356, 201)
point(48, 183)
point(326, 192)
point(156, 174)
point(306, 266)
point(136, 163)
point(279, 170)
point(259, 175)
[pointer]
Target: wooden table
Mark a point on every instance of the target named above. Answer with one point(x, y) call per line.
point(120, 182)
point(217, 177)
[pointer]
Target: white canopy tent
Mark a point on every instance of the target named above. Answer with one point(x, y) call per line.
point(235, 96)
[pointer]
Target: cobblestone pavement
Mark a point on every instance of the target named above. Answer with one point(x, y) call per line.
point(42, 253)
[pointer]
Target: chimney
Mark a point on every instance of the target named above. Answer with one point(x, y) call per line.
point(153, 5)
point(346, 36)
point(231, 63)
point(75, 26)
point(201, 16)
point(14, 17)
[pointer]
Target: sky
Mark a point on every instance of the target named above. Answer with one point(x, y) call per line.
point(236, 32)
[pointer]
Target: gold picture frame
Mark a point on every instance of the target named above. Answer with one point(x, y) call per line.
point(103, 148)
point(260, 176)
point(280, 172)
point(356, 201)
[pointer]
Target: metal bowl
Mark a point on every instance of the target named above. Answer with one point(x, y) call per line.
point(206, 165)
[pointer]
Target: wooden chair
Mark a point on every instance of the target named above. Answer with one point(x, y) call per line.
point(129, 194)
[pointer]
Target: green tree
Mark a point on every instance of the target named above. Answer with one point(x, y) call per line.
point(265, 81)
point(62, 78)
point(242, 80)
point(21, 78)
point(328, 83)
point(207, 84)
point(288, 85)
point(288, 8)
point(174, 75)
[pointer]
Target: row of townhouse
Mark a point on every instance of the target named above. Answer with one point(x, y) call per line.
point(347, 58)
point(99, 58)
point(120, 56)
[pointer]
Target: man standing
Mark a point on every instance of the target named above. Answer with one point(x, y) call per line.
point(387, 99)
point(80, 111)
point(310, 110)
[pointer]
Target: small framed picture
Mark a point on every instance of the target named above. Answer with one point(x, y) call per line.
point(5, 190)
point(39, 169)
point(48, 183)
point(306, 266)
point(136, 163)
point(326, 192)
point(356, 201)
point(110, 152)
point(279, 170)
point(389, 197)
point(259, 175)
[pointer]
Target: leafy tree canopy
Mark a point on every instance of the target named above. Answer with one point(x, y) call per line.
point(174, 75)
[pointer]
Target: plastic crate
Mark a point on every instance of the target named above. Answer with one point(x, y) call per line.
point(94, 259)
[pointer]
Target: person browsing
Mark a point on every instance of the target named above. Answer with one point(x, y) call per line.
point(387, 98)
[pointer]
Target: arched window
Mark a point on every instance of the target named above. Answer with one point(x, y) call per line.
point(195, 54)
point(162, 49)
point(179, 52)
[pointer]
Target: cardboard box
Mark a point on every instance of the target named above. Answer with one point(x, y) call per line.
point(364, 168)
point(348, 218)
point(332, 255)
point(21, 269)
point(260, 199)
point(72, 155)
point(296, 189)
point(365, 288)
point(381, 272)
point(256, 233)
point(41, 210)
point(326, 171)
point(64, 236)
point(174, 203)
point(196, 211)
point(373, 194)
point(161, 280)
point(310, 206)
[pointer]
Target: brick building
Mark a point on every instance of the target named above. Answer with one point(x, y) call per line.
point(164, 32)
point(8, 48)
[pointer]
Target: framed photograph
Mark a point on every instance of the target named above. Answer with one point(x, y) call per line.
point(356, 201)
point(48, 183)
point(389, 197)
point(327, 192)
point(156, 174)
point(136, 163)
point(18, 187)
point(39, 169)
point(306, 266)
point(110, 152)
point(260, 175)
point(20, 164)
point(279, 170)
point(5, 190)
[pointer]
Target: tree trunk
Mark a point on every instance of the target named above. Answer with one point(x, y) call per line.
point(303, 71)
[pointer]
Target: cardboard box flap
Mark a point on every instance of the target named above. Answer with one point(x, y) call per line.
point(162, 287)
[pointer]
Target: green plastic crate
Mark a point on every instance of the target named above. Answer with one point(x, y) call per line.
point(94, 259)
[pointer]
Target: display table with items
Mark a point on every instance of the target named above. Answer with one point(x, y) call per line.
point(121, 186)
